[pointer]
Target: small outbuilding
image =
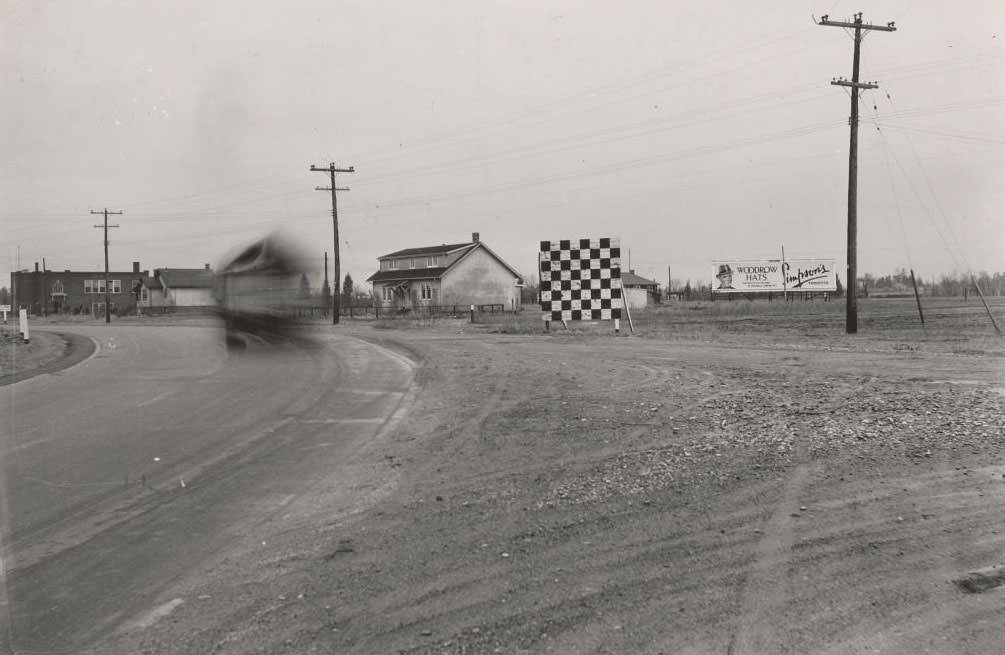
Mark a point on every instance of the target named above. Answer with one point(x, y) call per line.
point(170, 288)
point(639, 291)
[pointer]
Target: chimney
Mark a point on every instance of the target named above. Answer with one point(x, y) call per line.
point(207, 267)
point(36, 267)
point(474, 237)
point(136, 267)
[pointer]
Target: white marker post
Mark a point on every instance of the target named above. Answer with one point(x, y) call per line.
point(23, 316)
point(4, 309)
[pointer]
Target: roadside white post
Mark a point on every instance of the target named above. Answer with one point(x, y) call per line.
point(4, 309)
point(23, 316)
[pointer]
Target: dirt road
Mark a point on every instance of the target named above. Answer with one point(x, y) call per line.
point(589, 494)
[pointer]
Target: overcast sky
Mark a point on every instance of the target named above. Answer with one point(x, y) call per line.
point(693, 130)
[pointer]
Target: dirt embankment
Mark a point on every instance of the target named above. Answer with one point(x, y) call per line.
point(600, 495)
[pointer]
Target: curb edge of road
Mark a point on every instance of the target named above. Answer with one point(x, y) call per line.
point(78, 348)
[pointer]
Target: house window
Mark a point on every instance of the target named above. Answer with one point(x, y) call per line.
point(392, 264)
point(427, 292)
point(88, 286)
point(411, 263)
point(431, 261)
point(388, 293)
point(115, 286)
point(96, 286)
point(145, 294)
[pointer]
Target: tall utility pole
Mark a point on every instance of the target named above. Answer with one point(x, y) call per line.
point(851, 299)
point(108, 318)
point(331, 170)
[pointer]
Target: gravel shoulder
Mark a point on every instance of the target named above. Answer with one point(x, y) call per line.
point(590, 494)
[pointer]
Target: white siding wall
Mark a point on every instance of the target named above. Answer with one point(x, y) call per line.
point(480, 280)
point(190, 297)
point(636, 298)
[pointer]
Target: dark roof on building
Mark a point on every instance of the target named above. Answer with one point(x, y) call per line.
point(408, 274)
point(424, 273)
point(630, 279)
point(186, 278)
point(428, 250)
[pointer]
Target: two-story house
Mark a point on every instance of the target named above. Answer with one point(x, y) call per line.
point(460, 274)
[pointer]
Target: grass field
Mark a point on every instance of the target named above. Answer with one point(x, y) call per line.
point(951, 324)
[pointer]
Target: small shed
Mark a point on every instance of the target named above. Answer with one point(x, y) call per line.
point(639, 292)
point(178, 287)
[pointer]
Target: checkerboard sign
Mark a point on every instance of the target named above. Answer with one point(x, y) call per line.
point(581, 279)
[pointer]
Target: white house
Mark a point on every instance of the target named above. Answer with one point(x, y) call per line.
point(459, 274)
point(178, 287)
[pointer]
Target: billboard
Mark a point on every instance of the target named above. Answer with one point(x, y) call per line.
point(773, 276)
point(810, 275)
point(745, 276)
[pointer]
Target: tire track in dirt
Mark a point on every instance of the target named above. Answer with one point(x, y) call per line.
point(766, 588)
point(924, 529)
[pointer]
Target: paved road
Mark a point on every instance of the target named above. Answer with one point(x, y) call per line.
point(122, 474)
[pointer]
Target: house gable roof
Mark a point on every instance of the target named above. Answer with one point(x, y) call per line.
point(433, 273)
point(153, 283)
point(186, 278)
point(428, 250)
point(629, 278)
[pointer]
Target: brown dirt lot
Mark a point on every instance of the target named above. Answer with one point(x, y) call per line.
point(722, 487)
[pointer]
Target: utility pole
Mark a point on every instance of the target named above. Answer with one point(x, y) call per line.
point(851, 299)
point(326, 290)
point(108, 318)
point(331, 170)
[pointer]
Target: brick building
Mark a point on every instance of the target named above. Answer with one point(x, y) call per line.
point(44, 292)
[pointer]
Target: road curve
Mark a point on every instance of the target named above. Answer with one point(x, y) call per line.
point(125, 473)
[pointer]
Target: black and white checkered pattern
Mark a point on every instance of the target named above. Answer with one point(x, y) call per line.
point(581, 279)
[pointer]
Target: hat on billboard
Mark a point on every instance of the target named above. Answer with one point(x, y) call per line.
point(724, 270)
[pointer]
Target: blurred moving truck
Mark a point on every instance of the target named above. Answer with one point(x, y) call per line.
point(259, 294)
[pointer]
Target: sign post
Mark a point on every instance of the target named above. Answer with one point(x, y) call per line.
point(23, 316)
